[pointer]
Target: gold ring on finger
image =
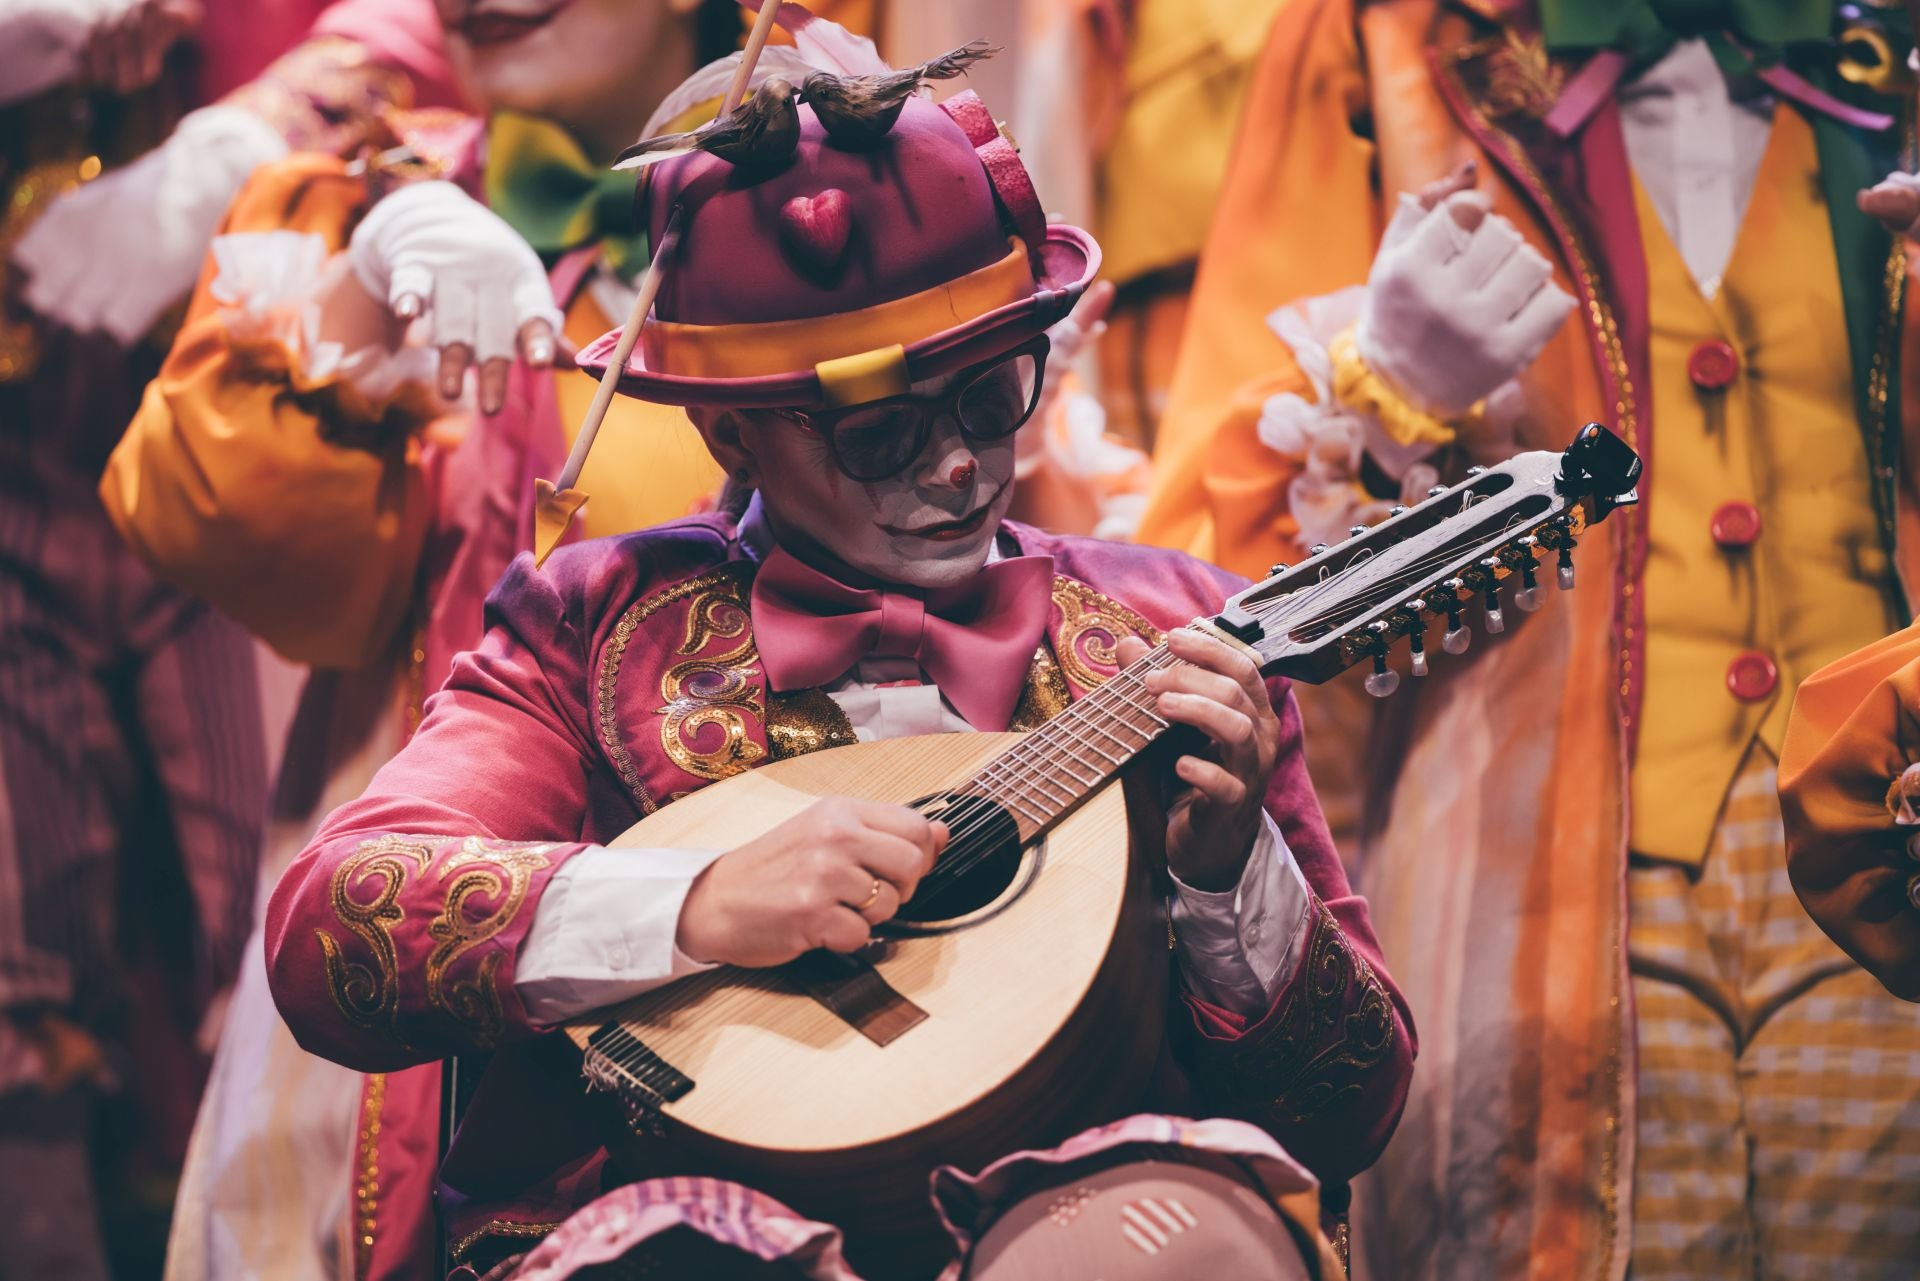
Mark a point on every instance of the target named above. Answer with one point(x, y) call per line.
point(870, 899)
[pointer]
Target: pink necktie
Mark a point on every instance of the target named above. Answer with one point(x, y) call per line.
point(975, 641)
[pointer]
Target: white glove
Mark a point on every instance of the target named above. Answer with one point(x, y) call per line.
point(1453, 311)
point(1895, 201)
point(115, 44)
point(113, 254)
point(430, 249)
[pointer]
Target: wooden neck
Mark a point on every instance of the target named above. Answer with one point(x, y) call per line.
point(1070, 757)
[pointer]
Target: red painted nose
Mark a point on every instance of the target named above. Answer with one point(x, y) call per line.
point(963, 474)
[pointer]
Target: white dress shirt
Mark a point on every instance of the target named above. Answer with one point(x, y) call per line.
point(604, 928)
point(1697, 151)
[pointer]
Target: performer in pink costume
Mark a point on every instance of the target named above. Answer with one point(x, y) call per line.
point(556, 734)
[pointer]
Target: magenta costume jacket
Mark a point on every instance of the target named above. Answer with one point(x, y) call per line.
point(625, 674)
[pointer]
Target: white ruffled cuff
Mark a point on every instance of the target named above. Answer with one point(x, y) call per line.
point(270, 285)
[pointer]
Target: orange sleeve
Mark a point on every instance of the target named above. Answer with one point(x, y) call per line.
point(1854, 730)
point(1299, 216)
point(229, 482)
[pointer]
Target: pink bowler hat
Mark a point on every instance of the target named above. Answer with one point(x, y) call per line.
point(848, 275)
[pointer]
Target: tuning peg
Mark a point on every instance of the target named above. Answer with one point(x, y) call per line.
point(1417, 638)
point(1476, 471)
point(1382, 680)
point(1527, 597)
point(1564, 574)
point(1318, 549)
point(1354, 531)
point(1456, 638)
point(1396, 510)
point(1496, 621)
point(1278, 568)
point(1436, 491)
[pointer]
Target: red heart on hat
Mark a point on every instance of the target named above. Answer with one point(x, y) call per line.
point(816, 229)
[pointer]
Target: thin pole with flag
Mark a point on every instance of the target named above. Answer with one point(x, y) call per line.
point(558, 502)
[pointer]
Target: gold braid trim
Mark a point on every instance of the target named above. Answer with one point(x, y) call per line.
point(1335, 1027)
point(499, 1228)
point(1091, 629)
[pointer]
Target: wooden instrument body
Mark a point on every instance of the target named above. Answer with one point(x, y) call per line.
point(1045, 1013)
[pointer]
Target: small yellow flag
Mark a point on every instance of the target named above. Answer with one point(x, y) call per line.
point(553, 514)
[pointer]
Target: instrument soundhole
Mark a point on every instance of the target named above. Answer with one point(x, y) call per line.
point(978, 866)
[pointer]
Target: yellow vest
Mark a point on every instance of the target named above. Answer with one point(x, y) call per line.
point(1814, 583)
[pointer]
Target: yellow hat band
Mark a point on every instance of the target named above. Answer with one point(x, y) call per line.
point(755, 350)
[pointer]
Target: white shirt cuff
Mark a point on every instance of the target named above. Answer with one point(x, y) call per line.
point(603, 930)
point(1238, 947)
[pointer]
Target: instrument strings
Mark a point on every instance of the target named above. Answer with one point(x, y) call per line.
point(1034, 765)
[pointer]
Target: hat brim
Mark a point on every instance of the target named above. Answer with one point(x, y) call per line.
point(1069, 260)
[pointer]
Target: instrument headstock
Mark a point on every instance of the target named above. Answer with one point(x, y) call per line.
point(1465, 542)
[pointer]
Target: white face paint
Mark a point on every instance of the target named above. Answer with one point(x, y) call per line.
point(576, 62)
point(931, 526)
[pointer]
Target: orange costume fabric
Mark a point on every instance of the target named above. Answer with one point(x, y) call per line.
point(1505, 838)
point(1854, 731)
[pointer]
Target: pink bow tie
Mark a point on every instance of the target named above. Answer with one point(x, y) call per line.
point(975, 641)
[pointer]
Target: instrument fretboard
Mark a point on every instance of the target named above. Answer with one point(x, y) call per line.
point(1067, 759)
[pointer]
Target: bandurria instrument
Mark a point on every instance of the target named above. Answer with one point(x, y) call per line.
point(1020, 995)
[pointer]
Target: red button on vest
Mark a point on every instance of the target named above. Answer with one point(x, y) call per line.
point(1735, 524)
point(1712, 365)
point(1751, 676)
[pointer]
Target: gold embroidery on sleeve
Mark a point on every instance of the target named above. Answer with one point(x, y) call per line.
point(1326, 1037)
point(492, 869)
point(1092, 627)
point(369, 996)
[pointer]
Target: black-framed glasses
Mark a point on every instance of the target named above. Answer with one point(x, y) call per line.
point(879, 439)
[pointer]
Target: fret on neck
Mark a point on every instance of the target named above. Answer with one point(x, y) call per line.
point(1067, 759)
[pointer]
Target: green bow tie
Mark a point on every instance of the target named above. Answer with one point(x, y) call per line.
point(542, 183)
point(1646, 29)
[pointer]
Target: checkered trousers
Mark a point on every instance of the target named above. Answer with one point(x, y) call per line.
point(1779, 1084)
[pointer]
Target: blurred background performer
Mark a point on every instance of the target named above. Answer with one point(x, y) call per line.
point(1581, 870)
point(133, 754)
point(293, 464)
point(1125, 112)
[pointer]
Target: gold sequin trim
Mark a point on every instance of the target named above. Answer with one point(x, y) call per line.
point(366, 1182)
point(494, 869)
point(368, 996)
point(1091, 628)
point(1044, 696)
point(805, 721)
point(605, 715)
